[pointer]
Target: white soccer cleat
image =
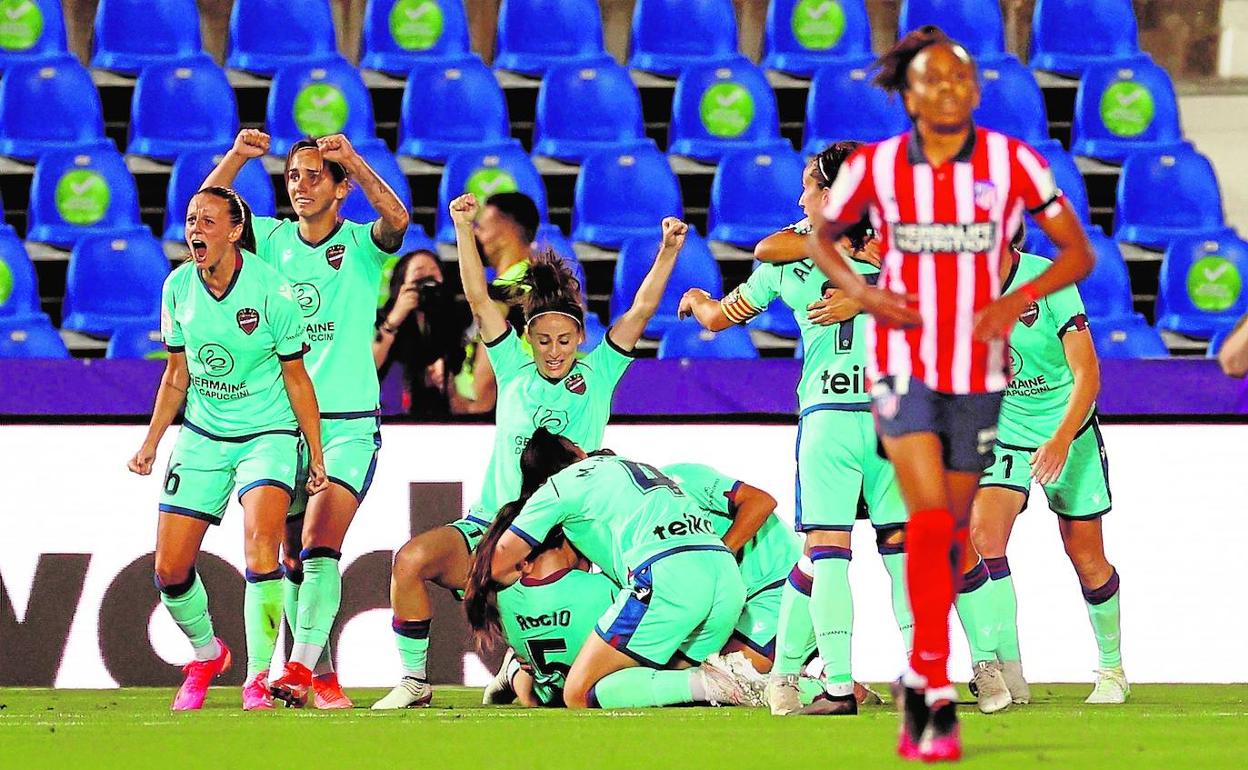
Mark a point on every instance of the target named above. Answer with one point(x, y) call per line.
point(1012, 672)
point(499, 691)
point(721, 685)
point(1111, 687)
point(407, 694)
point(754, 683)
point(783, 695)
point(989, 687)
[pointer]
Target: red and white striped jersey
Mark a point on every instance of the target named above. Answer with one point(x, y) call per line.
point(944, 232)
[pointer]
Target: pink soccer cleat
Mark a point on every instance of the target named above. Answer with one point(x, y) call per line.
point(199, 674)
point(942, 740)
point(293, 685)
point(328, 693)
point(256, 693)
point(912, 706)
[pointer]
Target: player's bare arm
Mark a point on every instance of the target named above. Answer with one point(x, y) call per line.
point(303, 402)
point(1048, 461)
point(391, 226)
point(627, 330)
point(250, 143)
point(754, 507)
point(169, 399)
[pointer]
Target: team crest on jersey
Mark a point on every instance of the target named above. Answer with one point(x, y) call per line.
point(575, 383)
point(985, 194)
point(247, 319)
point(1030, 315)
point(333, 255)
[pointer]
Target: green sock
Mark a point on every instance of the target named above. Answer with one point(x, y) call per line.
point(290, 599)
point(795, 636)
point(262, 617)
point(641, 687)
point(808, 689)
point(1105, 614)
point(832, 615)
point(975, 610)
point(188, 604)
point(412, 639)
point(319, 597)
point(1005, 608)
point(895, 563)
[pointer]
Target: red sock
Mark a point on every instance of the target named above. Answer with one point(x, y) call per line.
point(929, 579)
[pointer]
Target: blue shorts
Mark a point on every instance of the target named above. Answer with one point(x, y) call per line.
point(966, 424)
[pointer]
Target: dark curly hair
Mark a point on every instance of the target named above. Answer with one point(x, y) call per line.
point(893, 66)
point(552, 287)
point(827, 164)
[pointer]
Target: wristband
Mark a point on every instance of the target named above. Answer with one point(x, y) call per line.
point(1028, 290)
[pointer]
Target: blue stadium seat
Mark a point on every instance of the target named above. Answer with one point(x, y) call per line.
point(1067, 36)
point(723, 107)
point(752, 194)
point(30, 338)
point(114, 280)
point(468, 102)
point(777, 319)
point(695, 267)
point(1011, 101)
point(49, 105)
point(584, 109)
point(131, 34)
point(801, 36)
point(621, 194)
point(976, 24)
point(594, 332)
point(136, 341)
point(36, 34)
point(1201, 287)
point(873, 117)
point(1070, 182)
point(534, 35)
point(356, 207)
point(417, 239)
point(670, 35)
point(166, 94)
point(1122, 110)
point(483, 173)
point(19, 288)
point(317, 99)
point(265, 35)
point(399, 34)
point(188, 175)
point(74, 194)
point(1216, 343)
point(1166, 195)
point(689, 340)
point(1106, 292)
point(1128, 338)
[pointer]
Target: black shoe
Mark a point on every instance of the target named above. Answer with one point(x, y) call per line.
point(831, 705)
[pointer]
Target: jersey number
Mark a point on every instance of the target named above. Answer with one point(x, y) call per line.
point(845, 336)
point(172, 480)
point(1008, 462)
point(540, 648)
point(648, 477)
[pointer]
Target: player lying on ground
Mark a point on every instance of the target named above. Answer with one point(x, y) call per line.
point(838, 468)
point(236, 346)
point(549, 385)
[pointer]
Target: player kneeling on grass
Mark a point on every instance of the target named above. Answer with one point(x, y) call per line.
point(236, 342)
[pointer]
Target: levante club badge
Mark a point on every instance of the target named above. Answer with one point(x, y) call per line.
point(576, 384)
point(1030, 315)
point(247, 319)
point(333, 255)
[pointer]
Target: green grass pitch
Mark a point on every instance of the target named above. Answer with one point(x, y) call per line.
point(1163, 726)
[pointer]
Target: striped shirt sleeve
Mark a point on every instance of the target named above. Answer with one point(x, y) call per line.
point(852, 190)
point(1033, 179)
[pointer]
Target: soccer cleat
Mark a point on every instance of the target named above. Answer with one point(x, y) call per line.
point(1012, 672)
point(199, 674)
point(409, 693)
point(721, 686)
point(831, 705)
point(942, 738)
point(754, 683)
point(328, 694)
point(293, 686)
point(912, 706)
point(866, 696)
point(499, 691)
point(1111, 687)
point(783, 694)
point(256, 693)
point(989, 687)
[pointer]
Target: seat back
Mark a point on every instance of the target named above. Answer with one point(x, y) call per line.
point(752, 194)
point(166, 94)
point(1128, 338)
point(48, 105)
point(467, 100)
point(696, 267)
point(718, 107)
point(842, 104)
point(317, 99)
point(534, 35)
point(189, 172)
point(130, 34)
point(19, 288)
point(624, 193)
point(31, 337)
point(1011, 101)
point(583, 108)
point(1067, 35)
point(114, 280)
point(1123, 109)
point(1201, 285)
point(801, 35)
point(484, 173)
point(401, 33)
point(1163, 194)
point(33, 31)
point(689, 340)
point(977, 24)
point(136, 341)
point(1106, 291)
point(74, 194)
point(671, 34)
point(267, 34)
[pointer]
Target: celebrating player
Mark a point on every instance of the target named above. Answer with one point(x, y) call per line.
point(334, 267)
point(551, 387)
point(837, 464)
point(945, 198)
point(236, 346)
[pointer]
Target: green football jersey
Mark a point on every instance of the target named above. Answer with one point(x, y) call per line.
point(1041, 380)
point(618, 513)
point(335, 283)
point(834, 363)
point(234, 345)
point(546, 621)
point(769, 556)
point(577, 406)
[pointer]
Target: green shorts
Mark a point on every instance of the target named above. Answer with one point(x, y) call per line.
point(350, 445)
point(1082, 489)
point(760, 617)
point(839, 473)
point(471, 527)
point(203, 470)
point(686, 600)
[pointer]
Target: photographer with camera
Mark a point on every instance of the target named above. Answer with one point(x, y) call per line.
point(421, 327)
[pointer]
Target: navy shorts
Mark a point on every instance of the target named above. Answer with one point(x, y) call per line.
point(966, 424)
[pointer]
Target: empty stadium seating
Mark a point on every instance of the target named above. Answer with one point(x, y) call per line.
point(801, 36)
point(1202, 285)
point(842, 104)
point(470, 108)
point(1128, 338)
point(136, 341)
point(34, 32)
point(114, 280)
point(167, 95)
point(778, 319)
point(75, 194)
point(670, 35)
point(316, 99)
point(722, 107)
point(1106, 292)
point(640, 175)
point(1120, 110)
point(753, 195)
point(689, 340)
point(582, 109)
point(534, 35)
point(1071, 183)
point(356, 207)
point(188, 175)
point(268, 34)
point(1067, 36)
point(30, 338)
point(483, 173)
point(19, 290)
point(48, 105)
point(1011, 101)
point(695, 267)
point(976, 24)
point(132, 34)
point(399, 34)
point(1165, 195)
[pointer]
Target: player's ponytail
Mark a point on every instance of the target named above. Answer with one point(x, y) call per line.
point(545, 455)
point(481, 590)
point(893, 66)
point(552, 288)
point(240, 214)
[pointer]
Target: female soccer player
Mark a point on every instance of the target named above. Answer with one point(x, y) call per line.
point(334, 267)
point(236, 346)
point(945, 198)
point(551, 387)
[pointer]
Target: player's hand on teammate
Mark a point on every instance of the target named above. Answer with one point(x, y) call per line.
point(835, 307)
point(336, 147)
point(251, 143)
point(317, 480)
point(995, 321)
point(1048, 461)
point(674, 232)
point(890, 308)
point(464, 209)
point(142, 461)
point(687, 301)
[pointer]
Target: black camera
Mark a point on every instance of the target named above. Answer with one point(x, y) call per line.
point(429, 292)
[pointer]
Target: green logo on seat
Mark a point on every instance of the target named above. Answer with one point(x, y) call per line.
point(818, 24)
point(6, 283)
point(320, 109)
point(82, 197)
point(1127, 109)
point(416, 25)
point(727, 109)
point(485, 182)
point(1213, 284)
point(21, 25)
